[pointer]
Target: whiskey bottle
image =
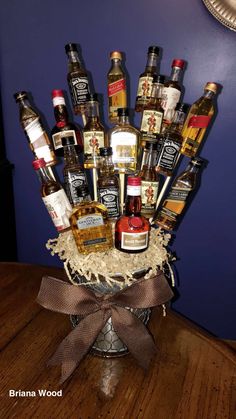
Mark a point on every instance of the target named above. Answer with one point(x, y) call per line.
point(153, 112)
point(94, 133)
point(108, 184)
point(116, 79)
point(91, 228)
point(37, 137)
point(171, 92)
point(54, 196)
point(146, 78)
point(77, 78)
point(149, 181)
point(124, 140)
point(63, 128)
point(73, 173)
point(132, 229)
point(197, 120)
point(170, 142)
point(178, 196)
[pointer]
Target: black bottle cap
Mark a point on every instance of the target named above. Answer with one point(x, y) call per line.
point(70, 47)
point(182, 107)
point(20, 95)
point(92, 97)
point(153, 49)
point(158, 79)
point(197, 161)
point(67, 141)
point(105, 151)
point(123, 111)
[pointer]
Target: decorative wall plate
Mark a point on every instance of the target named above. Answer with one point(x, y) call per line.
point(224, 11)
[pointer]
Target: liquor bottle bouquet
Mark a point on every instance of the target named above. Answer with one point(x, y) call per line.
point(119, 199)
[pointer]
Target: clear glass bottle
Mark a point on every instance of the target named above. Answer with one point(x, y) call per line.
point(116, 79)
point(73, 173)
point(94, 133)
point(178, 196)
point(53, 196)
point(63, 128)
point(132, 229)
point(36, 135)
point(171, 92)
point(108, 184)
point(124, 140)
point(170, 142)
point(77, 78)
point(145, 79)
point(197, 120)
point(149, 181)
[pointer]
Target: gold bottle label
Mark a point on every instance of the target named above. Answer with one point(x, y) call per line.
point(134, 241)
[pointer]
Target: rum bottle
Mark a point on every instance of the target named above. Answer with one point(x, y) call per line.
point(172, 92)
point(116, 79)
point(132, 229)
point(94, 133)
point(53, 196)
point(178, 196)
point(124, 140)
point(149, 181)
point(37, 137)
point(197, 121)
point(108, 184)
point(146, 79)
point(63, 128)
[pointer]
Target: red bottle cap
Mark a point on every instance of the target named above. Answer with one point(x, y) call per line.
point(37, 164)
point(57, 93)
point(134, 181)
point(178, 63)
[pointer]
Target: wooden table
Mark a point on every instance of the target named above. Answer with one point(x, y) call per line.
point(194, 377)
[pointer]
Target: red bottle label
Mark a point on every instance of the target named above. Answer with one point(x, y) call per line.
point(199, 121)
point(116, 87)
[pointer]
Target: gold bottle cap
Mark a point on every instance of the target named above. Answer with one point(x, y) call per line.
point(211, 86)
point(115, 54)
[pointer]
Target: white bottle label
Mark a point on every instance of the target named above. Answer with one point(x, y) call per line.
point(149, 191)
point(151, 122)
point(134, 190)
point(56, 138)
point(134, 241)
point(124, 146)
point(58, 100)
point(170, 98)
point(44, 152)
point(59, 209)
point(34, 130)
point(144, 87)
point(90, 221)
point(93, 140)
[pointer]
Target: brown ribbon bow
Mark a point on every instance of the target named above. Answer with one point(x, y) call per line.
point(63, 297)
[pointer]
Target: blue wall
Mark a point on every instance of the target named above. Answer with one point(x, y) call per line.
point(33, 35)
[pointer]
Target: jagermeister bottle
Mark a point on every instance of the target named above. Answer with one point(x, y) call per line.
point(197, 120)
point(116, 79)
point(178, 196)
point(149, 180)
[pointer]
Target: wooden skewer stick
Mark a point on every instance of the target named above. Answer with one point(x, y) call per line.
point(95, 190)
point(122, 191)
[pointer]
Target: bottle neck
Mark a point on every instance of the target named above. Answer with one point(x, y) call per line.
point(116, 62)
point(70, 156)
point(107, 167)
point(133, 205)
point(24, 103)
point(208, 94)
point(156, 92)
point(152, 62)
point(176, 74)
point(73, 57)
point(123, 120)
point(92, 110)
point(61, 113)
point(192, 168)
point(178, 121)
point(148, 159)
point(44, 175)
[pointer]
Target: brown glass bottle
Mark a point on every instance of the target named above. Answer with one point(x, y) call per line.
point(178, 196)
point(37, 137)
point(146, 78)
point(63, 128)
point(54, 196)
point(116, 79)
point(132, 229)
point(149, 181)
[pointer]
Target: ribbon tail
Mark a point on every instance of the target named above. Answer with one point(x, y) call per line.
point(75, 346)
point(134, 335)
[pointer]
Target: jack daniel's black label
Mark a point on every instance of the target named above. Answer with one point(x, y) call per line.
point(79, 88)
point(110, 198)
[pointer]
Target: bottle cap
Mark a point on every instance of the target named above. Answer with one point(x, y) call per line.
point(70, 47)
point(182, 107)
point(158, 79)
point(57, 93)
point(105, 151)
point(178, 63)
point(37, 164)
point(197, 161)
point(153, 49)
point(115, 54)
point(67, 141)
point(20, 95)
point(92, 97)
point(134, 181)
point(123, 111)
point(211, 86)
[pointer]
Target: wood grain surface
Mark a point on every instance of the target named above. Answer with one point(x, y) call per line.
point(192, 377)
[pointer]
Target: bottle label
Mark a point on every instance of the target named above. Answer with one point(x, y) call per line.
point(116, 87)
point(179, 194)
point(199, 121)
point(58, 100)
point(44, 152)
point(34, 131)
point(170, 98)
point(79, 88)
point(175, 202)
point(93, 140)
point(89, 221)
point(134, 190)
point(59, 209)
point(149, 191)
point(124, 145)
point(151, 122)
point(144, 87)
point(110, 198)
point(134, 241)
point(73, 180)
point(168, 154)
point(56, 138)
